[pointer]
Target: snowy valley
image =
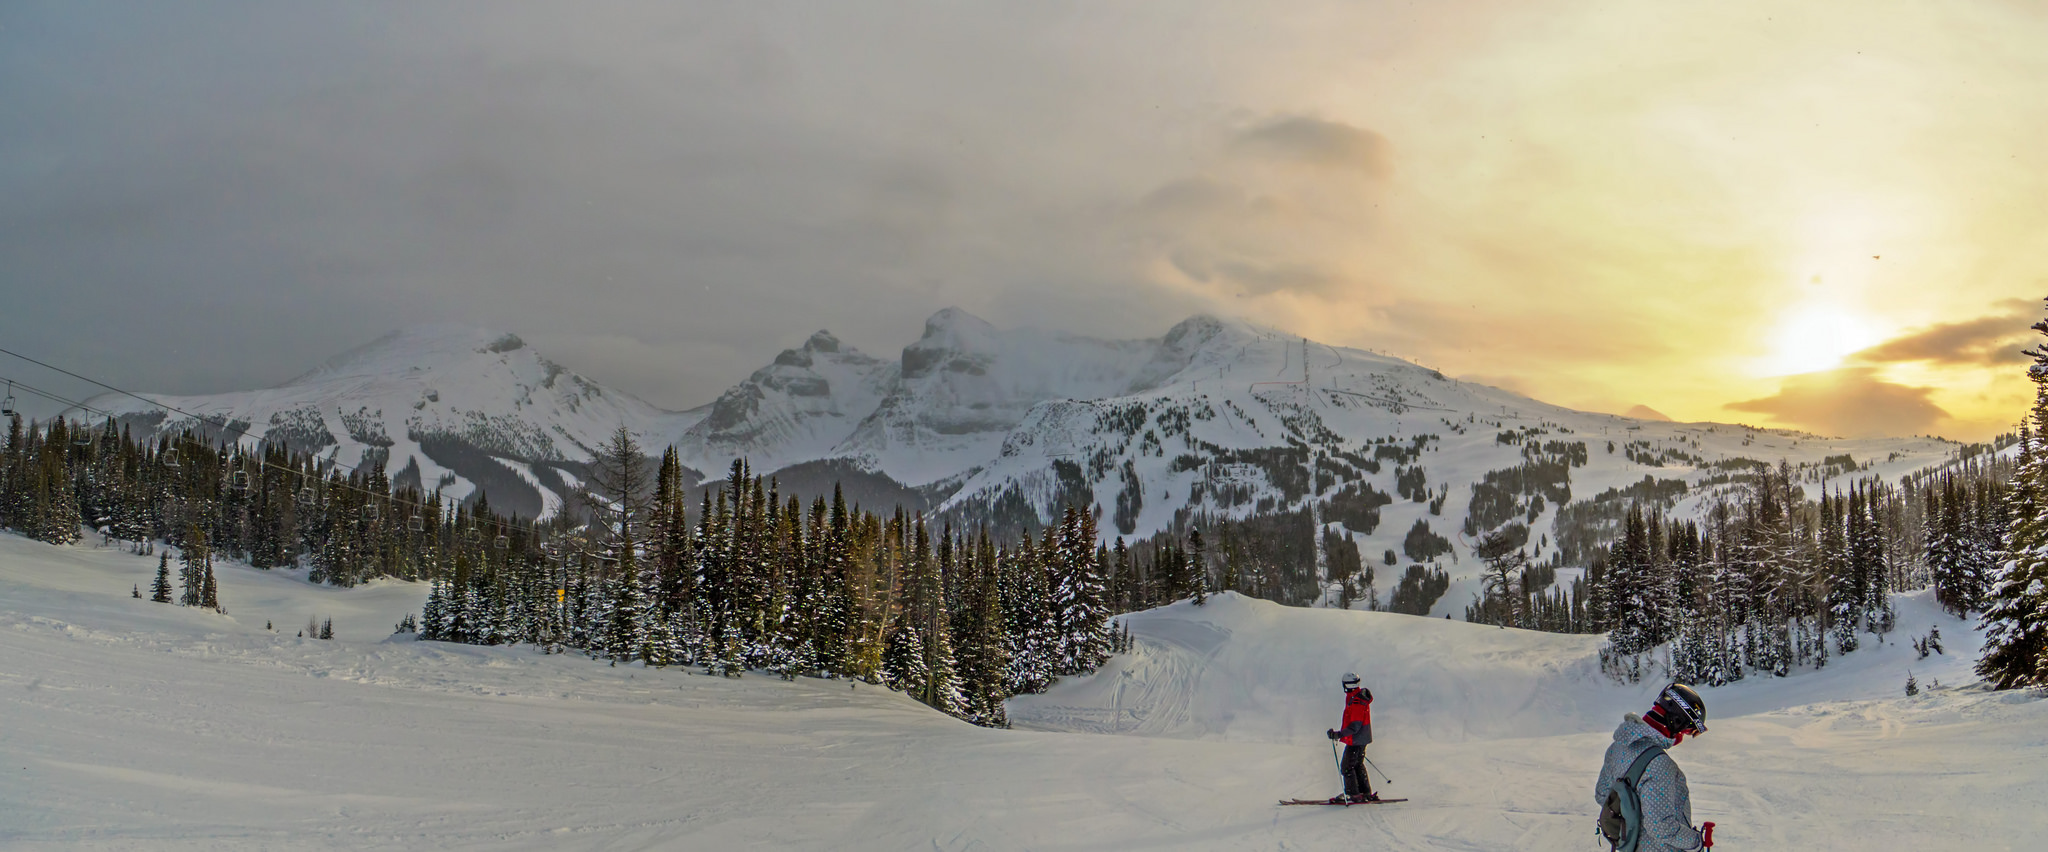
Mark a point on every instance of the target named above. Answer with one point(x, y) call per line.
point(136, 725)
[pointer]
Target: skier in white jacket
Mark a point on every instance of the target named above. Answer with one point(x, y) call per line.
point(1667, 805)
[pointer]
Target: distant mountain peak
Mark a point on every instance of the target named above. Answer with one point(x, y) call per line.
point(823, 341)
point(423, 346)
point(505, 343)
point(1644, 412)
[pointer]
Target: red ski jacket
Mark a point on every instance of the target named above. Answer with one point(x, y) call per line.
point(1357, 726)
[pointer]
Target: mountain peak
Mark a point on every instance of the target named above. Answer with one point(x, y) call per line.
point(1644, 412)
point(417, 346)
point(953, 338)
point(823, 341)
point(954, 323)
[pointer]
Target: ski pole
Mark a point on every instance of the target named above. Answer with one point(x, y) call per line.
point(1335, 759)
point(1383, 774)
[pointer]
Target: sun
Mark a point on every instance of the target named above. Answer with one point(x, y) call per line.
point(1814, 337)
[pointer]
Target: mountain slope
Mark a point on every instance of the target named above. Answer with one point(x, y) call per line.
point(441, 406)
point(131, 724)
point(1214, 418)
point(794, 410)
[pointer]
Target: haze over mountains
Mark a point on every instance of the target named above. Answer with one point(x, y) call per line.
point(1004, 424)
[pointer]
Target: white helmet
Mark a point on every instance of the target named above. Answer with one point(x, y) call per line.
point(1350, 681)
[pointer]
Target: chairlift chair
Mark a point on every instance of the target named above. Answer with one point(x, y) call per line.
point(170, 458)
point(7, 405)
point(503, 542)
point(240, 480)
point(417, 523)
point(369, 511)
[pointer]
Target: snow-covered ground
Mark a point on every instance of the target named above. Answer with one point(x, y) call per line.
point(126, 724)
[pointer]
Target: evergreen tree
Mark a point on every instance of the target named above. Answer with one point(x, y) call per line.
point(160, 589)
point(2015, 623)
point(197, 562)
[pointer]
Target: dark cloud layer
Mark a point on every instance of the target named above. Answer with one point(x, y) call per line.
point(1850, 402)
point(1988, 341)
point(1326, 144)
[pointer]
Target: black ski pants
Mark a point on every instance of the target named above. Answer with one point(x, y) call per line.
point(1352, 767)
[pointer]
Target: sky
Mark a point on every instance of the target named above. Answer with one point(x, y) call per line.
point(1829, 217)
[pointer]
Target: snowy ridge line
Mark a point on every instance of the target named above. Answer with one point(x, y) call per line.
point(970, 413)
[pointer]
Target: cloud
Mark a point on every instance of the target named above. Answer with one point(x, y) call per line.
point(1315, 142)
point(1286, 208)
point(1850, 402)
point(1985, 341)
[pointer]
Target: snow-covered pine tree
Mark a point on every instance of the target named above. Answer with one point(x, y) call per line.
point(2015, 622)
point(983, 659)
point(432, 625)
point(1867, 561)
point(1026, 618)
point(904, 666)
point(160, 589)
point(1844, 597)
point(1949, 556)
point(943, 689)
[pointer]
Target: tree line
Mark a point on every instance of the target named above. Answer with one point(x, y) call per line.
point(1768, 579)
point(753, 579)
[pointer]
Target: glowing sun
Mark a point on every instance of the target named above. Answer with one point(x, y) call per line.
point(1816, 337)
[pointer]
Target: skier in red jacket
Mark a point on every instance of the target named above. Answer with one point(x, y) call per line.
point(1356, 733)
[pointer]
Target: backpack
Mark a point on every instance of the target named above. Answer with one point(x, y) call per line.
point(1621, 818)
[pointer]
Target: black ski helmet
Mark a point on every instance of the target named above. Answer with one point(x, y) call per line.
point(1682, 709)
point(1350, 681)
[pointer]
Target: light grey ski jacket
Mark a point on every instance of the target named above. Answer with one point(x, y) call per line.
point(1667, 806)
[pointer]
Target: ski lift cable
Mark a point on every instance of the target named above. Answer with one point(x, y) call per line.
point(532, 530)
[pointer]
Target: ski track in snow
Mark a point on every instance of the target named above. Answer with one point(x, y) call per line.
point(550, 502)
point(126, 724)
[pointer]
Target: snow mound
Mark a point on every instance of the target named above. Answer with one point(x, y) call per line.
point(1247, 670)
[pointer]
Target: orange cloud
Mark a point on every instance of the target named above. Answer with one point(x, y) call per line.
point(1988, 341)
point(1850, 402)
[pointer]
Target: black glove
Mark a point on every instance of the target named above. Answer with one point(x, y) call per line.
point(1365, 692)
point(1332, 734)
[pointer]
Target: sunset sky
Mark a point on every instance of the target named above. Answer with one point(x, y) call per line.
point(1832, 216)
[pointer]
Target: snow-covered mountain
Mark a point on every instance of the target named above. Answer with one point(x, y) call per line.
point(1214, 415)
point(796, 409)
point(442, 406)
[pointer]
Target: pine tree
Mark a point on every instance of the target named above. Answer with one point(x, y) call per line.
point(2015, 621)
point(209, 592)
point(196, 561)
point(984, 654)
point(160, 589)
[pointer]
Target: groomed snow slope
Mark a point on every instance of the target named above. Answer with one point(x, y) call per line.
point(133, 725)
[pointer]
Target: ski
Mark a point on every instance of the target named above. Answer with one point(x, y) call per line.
point(1346, 804)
